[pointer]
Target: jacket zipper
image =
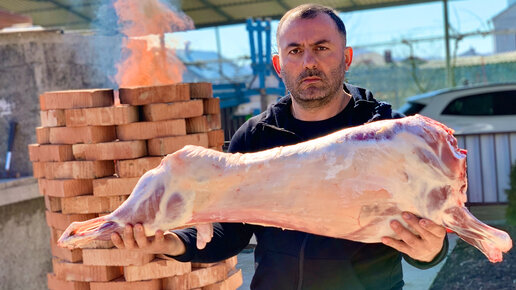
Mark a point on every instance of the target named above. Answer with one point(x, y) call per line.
point(301, 263)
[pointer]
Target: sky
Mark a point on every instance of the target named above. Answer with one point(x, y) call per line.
point(371, 29)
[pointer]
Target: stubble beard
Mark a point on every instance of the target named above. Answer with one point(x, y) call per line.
point(315, 96)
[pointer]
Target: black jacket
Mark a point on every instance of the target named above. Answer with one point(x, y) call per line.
point(295, 260)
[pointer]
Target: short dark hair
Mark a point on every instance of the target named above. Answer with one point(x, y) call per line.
point(310, 11)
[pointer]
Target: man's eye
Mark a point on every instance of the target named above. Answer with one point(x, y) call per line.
point(294, 51)
point(320, 48)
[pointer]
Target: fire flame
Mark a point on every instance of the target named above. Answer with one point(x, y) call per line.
point(147, 58)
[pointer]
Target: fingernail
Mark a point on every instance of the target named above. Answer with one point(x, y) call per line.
point(407, 216)
point(395, 225)
point(424, 223)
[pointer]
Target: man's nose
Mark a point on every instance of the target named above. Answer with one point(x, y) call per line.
point(309, 60)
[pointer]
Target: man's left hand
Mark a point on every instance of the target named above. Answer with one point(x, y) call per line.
point(424, 245)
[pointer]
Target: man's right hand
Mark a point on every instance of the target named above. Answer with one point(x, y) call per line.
point(169, 244)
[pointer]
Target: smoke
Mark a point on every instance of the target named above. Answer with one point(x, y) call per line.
point(130, 44)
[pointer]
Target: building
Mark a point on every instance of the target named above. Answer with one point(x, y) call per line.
point(505, 21)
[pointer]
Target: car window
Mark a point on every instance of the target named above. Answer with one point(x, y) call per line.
point(411, 108)
point(488, 104)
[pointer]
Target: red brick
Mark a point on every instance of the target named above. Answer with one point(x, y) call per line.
point(84, 204)
point(103, 116)
point(38, 169)
point(52, 118)
point(231, 283)
point(156, 269)
point(121, 284)
point(201, 90)
point(136, 167)
point(113, 186)
point(199, 277)
point(65, 187)
point(45, 153)
point(110, 150)
point(61, 221)
point(64, 254)
point(81, 272)
point(115, 257)
point(151, 130)
point(79, 169)
point(52, 203)
point(211, 106)
point(53, 283)
point(43, 135)
point(216, 138)
point(116, 201)
point(76, 99)
point(167, 145)
point(154, 94)
point(89, 134)
point(203, 123)
point(176, 110)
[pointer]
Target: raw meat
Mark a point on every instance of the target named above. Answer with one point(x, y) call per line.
point(349, 184)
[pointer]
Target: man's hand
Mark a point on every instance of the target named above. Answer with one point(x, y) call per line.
point(423, 247)
point(135, 239)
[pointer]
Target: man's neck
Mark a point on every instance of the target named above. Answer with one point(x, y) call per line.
point(332, 108)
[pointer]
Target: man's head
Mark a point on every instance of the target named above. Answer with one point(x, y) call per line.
point(312, 54)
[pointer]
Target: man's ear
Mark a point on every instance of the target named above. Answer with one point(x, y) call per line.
point(348, 56)
point(276, 64)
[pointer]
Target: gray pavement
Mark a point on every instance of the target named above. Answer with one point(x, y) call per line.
point(415, 279)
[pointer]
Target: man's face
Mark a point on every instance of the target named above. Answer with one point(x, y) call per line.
point(312, 59)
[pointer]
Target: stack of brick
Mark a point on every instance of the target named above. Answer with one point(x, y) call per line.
point(89, 155)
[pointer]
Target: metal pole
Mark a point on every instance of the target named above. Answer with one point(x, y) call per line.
point(219, 50)
point(449, 72)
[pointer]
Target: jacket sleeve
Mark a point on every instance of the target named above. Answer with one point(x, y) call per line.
point(228, 238)
point(426, 265)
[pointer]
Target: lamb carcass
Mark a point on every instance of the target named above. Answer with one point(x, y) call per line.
point(349, 184)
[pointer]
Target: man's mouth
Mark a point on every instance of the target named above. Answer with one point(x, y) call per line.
point(310, 80)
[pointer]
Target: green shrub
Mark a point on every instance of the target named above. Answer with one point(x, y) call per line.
point(511, 196)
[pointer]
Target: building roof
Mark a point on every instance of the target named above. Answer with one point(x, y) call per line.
point(78, 14)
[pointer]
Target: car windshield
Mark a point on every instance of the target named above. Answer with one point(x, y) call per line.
point(411, 108)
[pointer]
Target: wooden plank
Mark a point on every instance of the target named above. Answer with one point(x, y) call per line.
point(168, 145)
point(176, 110)
point(81, 272)
point(488, 168)
point(115, 257)
point(76, 99)
point(135, 167)
point(110, 150)
point(503, 165)
point(156, 269)
point(103, 116)
point(137, 96)
point(75, 135)
point(79, 169)
point(52, 118)
point(151, 130)
point(113, 186)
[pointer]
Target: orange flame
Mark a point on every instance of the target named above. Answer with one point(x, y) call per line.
point(149, 61)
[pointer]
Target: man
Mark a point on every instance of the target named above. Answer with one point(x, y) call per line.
point(312, 59)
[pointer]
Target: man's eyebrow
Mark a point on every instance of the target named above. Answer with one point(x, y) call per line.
point(319, 42)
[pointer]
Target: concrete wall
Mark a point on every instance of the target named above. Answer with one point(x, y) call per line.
point(34, 62)
point(24, 236)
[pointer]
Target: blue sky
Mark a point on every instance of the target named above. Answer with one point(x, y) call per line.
point(369, 28)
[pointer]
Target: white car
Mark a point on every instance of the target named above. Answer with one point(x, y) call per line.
point(469, 110)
